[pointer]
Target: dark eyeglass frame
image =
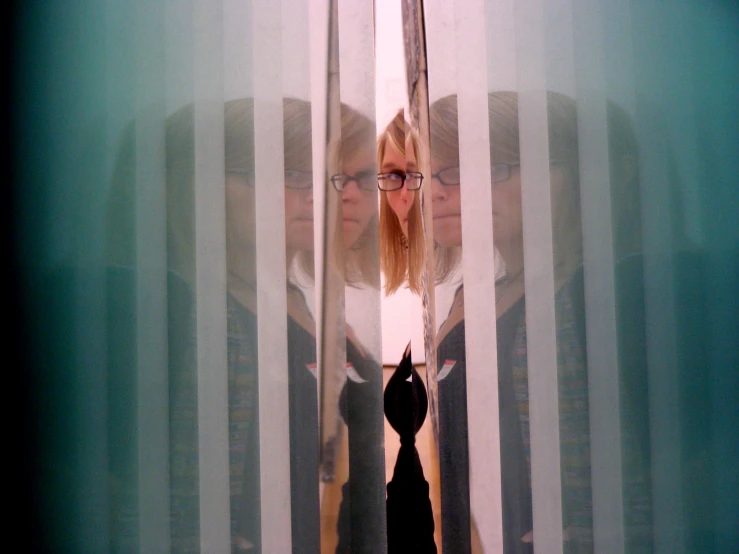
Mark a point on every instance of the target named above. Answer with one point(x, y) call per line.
point(403, 179)
point(365, 182)
point(306, 183)
point(498, 173)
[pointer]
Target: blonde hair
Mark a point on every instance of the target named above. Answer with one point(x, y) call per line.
point(401, 258)
point(505, 148)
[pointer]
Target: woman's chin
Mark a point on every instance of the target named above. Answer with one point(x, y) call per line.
point(446, 241)
point(447, 233)
point(297, 242)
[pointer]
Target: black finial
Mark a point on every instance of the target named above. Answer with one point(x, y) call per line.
point(410, 520)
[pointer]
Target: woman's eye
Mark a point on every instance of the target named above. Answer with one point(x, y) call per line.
point(450, 175)
point(396, 176)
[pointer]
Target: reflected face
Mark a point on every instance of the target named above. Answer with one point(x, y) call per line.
point(507, 208)
point(446, 209)
point(400, 200)
point(358, 208)
point(358, 205)
point(241, 216)
point(299, 216)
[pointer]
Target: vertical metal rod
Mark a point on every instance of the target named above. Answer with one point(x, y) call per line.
point(332, 332)
point(414, 39)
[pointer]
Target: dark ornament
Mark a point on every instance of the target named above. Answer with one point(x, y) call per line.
point(410, 520)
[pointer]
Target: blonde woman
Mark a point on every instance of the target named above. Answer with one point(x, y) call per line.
point(402, 250)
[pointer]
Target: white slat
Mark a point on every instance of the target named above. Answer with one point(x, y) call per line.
point(210, 277)
point(598, 261)
point(478, 262)
point(539, 280)
point(274, 423)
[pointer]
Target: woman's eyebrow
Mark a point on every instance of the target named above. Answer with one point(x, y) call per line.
point(390, 166)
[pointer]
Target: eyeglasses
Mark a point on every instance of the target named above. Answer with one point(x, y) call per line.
point(366, 181)
point(395, 181)
point(498, 172)
point(294, 179)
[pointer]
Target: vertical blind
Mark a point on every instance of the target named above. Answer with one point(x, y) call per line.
point(176, 219)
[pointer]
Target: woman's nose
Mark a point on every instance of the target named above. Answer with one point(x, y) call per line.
point(351, 192)
point(404, 193)
point(438, 191)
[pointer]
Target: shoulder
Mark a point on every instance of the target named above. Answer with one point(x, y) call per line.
point(361, 367)
point(453, 338)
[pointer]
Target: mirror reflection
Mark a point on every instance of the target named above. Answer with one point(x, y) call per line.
point(356, 186)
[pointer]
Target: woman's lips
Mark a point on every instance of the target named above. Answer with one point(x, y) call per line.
point(445, 216)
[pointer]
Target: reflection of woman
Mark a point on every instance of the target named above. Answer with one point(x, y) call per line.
point(357, 187)
point(511, 326)
point(401, 229)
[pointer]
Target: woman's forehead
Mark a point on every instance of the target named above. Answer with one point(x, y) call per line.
point(411, 155)
point(392, 157)
point(440, 161)
point(299, 160)
point(358, 161)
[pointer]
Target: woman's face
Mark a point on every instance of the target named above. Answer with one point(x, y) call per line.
point(400, 200)
point(241, 217)
point(446, 208)
point(358, 205)
point(507, 208)
point(358, 208)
